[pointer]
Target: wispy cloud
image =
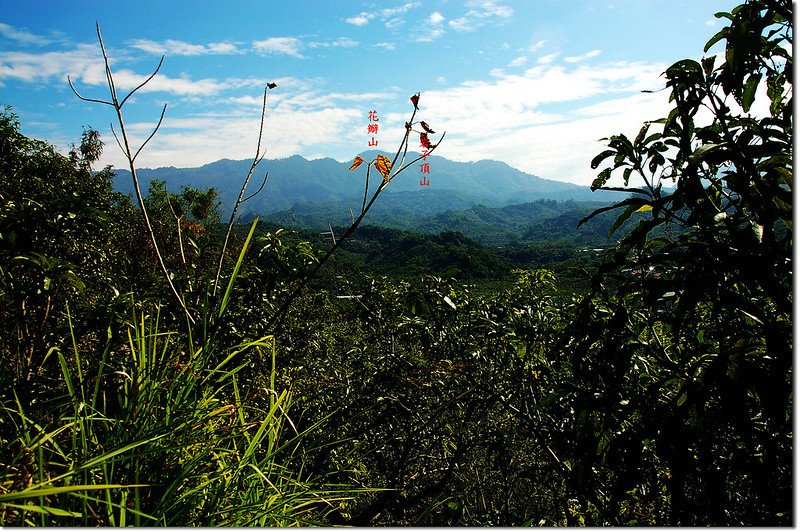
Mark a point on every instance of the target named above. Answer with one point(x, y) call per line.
point(302, 121)
point(22, 36)
point(341, 42)
point(435, 18)
point(431, 29)
point(173, 47)
point(360, 19)
point(82, 61)
point(279, 45)
point(84, 65)
point(523, 119)
point(548, 58)
point(579, 58)
point(481, 12)
point(390, 16)
point(537, 45)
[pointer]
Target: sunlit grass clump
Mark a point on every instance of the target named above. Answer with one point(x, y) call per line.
point(162, 433)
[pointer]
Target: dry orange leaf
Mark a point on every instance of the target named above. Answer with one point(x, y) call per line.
point(356, 162)
point(383, 165)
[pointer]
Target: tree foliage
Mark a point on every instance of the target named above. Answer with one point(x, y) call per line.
point(697, 339)
point(660, 394)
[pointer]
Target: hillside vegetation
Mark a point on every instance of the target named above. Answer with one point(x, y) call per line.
point(164, 368)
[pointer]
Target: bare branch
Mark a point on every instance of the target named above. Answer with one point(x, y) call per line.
point(109, 76)
point(259, 156)
point(124, 145)
point(254, 194)
point(178, 221)
point(278, 316)
point(113, 131)
point(153, 134)
point(71, 86)
point(145, 82)
point(434, 146)
point(333, 236)
point(366, 189)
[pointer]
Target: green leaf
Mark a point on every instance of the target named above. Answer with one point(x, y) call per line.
point(55, 490)
point(708, 65)
point(622, 218)
point(635, 202)
point(642, 133)
point(600, 157)
point(721, 34)
point(749, 93)
point(235, 273)
point(601, 179)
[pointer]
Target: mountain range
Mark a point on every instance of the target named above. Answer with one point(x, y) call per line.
point(301, 185)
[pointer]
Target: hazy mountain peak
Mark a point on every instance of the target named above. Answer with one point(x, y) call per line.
point(296, 179)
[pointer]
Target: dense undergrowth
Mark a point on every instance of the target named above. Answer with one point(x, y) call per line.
point(657, 391)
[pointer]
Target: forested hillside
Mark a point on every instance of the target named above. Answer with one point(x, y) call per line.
point(299, 184)
point(167, 364)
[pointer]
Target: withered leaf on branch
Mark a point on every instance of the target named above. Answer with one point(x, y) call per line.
point(424, 141)
point(384, 166)
point(356, 163)
point(415, 100)
point(426, 127)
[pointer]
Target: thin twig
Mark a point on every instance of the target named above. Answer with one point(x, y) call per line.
point(254, 194)
point(366, 189)
point(278, 315)
point(113, 132)
point(178, 220)
point(153, 134)
point(257, 159)
point(124, 145)
point(85, 99)
point(145, 82)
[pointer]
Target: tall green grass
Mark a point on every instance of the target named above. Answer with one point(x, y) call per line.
point(162, 432)
point(160, 435)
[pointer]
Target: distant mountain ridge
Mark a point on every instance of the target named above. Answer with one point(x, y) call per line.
point(297, 181)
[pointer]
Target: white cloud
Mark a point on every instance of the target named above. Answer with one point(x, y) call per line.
point(537, 45)
point(431, 35)
point(430, 29)
point(461, 24)
point(480, 13)
point(84, 66)
point(435, 18)
point(341, 42)
point(579, 58)
point(21, 35)
point(172, 47)
point(489, 8)
point(359, 20)
point(394, 23)
point(518, 61)
point(389, 16)
point(84, 61)
point(305, 122)
point(279, 45)
point(394, 11)
point(547, 59)
point(523, 119)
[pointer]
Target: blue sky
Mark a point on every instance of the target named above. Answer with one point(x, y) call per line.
point(535, 83)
